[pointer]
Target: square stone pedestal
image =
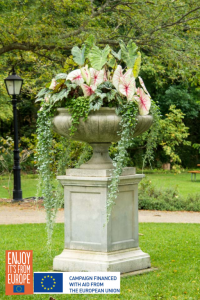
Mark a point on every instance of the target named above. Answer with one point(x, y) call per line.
point(92, 244)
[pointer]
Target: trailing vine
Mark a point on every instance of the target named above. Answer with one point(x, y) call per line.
point(152, 140)
point(129, 113)
point(52, 195)
point(79, 108)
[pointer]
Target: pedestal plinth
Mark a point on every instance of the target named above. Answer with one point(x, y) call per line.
point(92, 244)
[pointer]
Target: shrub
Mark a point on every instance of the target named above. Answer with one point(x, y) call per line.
point(26, 149)
point(153, 198)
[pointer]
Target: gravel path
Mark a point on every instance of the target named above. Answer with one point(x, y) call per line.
point(20, 215)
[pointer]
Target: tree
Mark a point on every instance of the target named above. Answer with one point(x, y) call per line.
point(37, 36)
point(167, 30)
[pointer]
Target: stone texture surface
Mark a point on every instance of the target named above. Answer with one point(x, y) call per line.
point(100, 158)
point(92, 244)
point(98, 173)
point(117, 261)
point(86, 226)
point(101, 126)
point(99, 130)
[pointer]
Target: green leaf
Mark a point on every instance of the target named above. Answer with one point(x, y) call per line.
point(101, 95)
point(112, 62)
point(59, 96)
point(137, 64)
point(39, 99)
point(89, 43)
point(129, 53)
point(96, 105)
point(117, 55)
point(119, 98)
point(78, 55)
point(106, 85)
point(98, 58)
point(111, 95)
point(70, 85)
point(61, 76)
point(92, 97)
point(41, 93)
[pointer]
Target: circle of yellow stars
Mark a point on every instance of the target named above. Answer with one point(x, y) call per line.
point(18, 288)
point(43, 284)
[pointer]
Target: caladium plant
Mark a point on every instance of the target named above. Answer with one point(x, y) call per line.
point(98, 66)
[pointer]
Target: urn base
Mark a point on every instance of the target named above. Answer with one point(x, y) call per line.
point(123, 261)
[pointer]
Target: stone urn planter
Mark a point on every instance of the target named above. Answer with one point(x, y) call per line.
point(99, 130)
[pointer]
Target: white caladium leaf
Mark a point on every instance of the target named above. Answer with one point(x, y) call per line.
point(144, 102)
point(88, 90)
point(127, 87)
point(86, 74)
point(98, 58)
point(61, 76)
point(53, 84)
point(75, 77)
point(129, 53)
point(97, 77)
point(118, 74)
point(129, 74)
point(117, 55)
point(78, 55)
point(143, 86)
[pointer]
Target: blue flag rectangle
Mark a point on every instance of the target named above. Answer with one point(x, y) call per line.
point(48, 283)
point(18, 288)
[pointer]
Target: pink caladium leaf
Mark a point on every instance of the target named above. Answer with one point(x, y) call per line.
point(118, 74)
point(88, 90)
point(144, 102)
point(143, 86)
point(128, 74)
point(86, 74)
point(97, 77)
point(75, 77)
point(127, 87)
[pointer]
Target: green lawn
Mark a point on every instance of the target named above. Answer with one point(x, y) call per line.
point(28, 184)
point(181, 181)
point(174, 250)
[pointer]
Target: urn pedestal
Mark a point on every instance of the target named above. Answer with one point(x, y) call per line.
point(92, 243)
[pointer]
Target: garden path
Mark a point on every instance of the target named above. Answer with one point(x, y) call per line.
point(23, 213)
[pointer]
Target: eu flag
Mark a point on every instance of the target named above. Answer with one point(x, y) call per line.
point(48, 283)
point(18, 288)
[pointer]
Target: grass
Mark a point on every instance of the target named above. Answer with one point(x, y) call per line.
point(174, 249)
point(161, 179)
point(28, 185)
point(182, 181)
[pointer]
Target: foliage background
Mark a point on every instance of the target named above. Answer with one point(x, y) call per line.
point(37, 36)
